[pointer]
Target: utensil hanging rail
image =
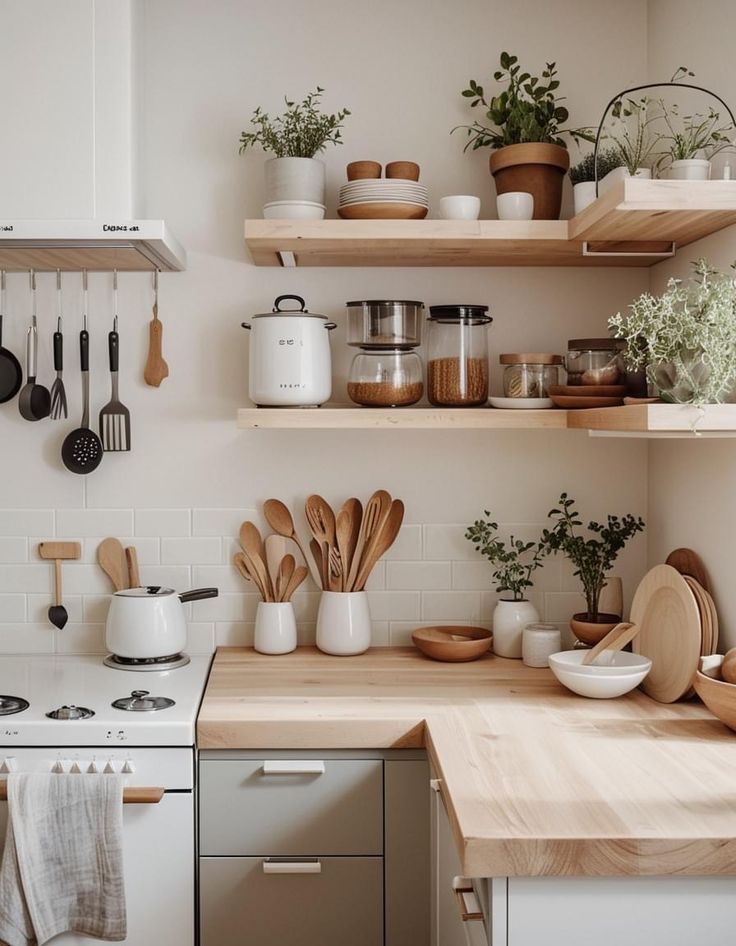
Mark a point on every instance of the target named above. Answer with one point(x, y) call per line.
point(143, 795)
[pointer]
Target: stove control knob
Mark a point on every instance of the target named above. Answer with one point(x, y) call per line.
point(75, 770)
point(10, 764)
point(128, 768)
point(92, 768)
point(58, 767)
point(109, 768)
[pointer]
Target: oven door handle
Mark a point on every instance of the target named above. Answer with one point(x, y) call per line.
point(139, 795)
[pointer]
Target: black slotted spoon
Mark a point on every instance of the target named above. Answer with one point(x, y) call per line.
point(82, 449)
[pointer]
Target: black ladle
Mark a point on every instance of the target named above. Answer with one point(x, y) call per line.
point(34, 401)
point(82, 448)
point(11, 373)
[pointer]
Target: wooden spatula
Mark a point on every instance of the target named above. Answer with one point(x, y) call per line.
point(111, 559)
point(156, 368)
point(618, 638)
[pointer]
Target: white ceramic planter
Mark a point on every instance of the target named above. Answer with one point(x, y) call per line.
point(695, 169)
point(295, 179)
point(343, 623)
point(275, 627)
point(583, 195)
point(620, 174)
point(509, 620)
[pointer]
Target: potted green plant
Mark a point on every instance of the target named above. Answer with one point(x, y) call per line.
point(582, 176)
point(295, 138)
point(693, 141)
point(514, 561)
point(685, 337)
point(634, 139)
point(592, 556)
point(525, 134)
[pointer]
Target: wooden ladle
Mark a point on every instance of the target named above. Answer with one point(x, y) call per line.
point(616, 639)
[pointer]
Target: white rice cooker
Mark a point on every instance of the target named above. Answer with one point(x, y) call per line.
point(289, 360)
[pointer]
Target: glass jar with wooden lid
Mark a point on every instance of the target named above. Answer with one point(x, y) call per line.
point(529, 374)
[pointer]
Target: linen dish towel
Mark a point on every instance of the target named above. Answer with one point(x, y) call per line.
point(62, 867)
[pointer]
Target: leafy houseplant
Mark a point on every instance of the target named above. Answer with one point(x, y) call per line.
point(583, 177)
point(636, 137)
point(525, 133)
point(515, 562)
point(592, 557)
point(685, 338)
point(303, 131)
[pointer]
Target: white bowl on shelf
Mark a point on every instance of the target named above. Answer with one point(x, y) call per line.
point(599, 682)
point(521, 403)
point(293, 210)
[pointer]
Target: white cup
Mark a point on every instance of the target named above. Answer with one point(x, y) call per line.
point(343, 623)
point(515, 205)
point(275, 631)
point(459, 207)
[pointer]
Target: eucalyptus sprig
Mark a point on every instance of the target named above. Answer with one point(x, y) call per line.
point(303, 131)
point(685, 337)
point(515, 561)
point(592, 557)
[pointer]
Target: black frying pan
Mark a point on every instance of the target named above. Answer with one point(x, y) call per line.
point(11, 373)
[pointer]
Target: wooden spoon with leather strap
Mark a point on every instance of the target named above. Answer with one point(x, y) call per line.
point(616, 639)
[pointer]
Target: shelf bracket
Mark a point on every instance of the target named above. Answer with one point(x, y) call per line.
point(663, 254)
point(287, 258)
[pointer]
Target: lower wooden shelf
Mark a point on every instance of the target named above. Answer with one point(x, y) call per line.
point(641, 420)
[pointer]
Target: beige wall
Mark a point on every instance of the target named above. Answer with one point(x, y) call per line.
point(692, 484)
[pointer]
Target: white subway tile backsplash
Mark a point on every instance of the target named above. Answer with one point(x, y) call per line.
point(447, 543)
point(78, 523)
point(560, 606)
point(158, 522)
point(177, 577)
point(200, 551)
point(220, 521)
point(200, 637)
point(408, 545)
point(225, 577)
point(80, 639)
point(38, 607)
point(26, 578)
point(451, 606)
point(13, 549)
point(147, 549)
point(305, 606)
point(229, 607)
point(234, 634)
point(377, 578)
point(95, 608)
point(80, 579)
point(472, 576)
point(399, 605)
point(12, 608)
point(27, 522)
point(408, 576)
point(26, 639)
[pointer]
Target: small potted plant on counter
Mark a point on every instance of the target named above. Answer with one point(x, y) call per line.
point(515, 562)
point(592, 557)
point(295, 175)
point(525, 134)
point(685, 337)
point(582, 176)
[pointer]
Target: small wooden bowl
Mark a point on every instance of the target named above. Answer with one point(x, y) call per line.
point(403, 170)
point(454, 643)
point(718, 696)
point(363, 170)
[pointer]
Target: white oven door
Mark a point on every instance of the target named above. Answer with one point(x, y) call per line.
point(158, 847)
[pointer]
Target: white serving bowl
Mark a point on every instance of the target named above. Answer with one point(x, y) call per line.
point(609, 663)
point(293, 210)
point(591, 682)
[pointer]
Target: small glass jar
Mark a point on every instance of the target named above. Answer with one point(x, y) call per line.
point(385, 377)
point(529, 375)
point(457, 365)
point(384, 323)
point(595, 361)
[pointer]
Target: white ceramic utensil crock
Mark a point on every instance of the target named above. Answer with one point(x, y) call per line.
point(275, 627)
point(289, 363)
point(343, 623)
point(150, 621)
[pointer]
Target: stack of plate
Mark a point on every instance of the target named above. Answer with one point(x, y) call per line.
point(383, 198)
point(581, 396)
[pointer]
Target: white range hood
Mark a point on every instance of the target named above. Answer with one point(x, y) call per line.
point(95, 245)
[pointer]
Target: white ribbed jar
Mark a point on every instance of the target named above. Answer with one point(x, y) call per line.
point(538, 643)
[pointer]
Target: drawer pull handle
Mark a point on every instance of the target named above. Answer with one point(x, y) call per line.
point(311, 866)
point(294, 767)
point(470, 911)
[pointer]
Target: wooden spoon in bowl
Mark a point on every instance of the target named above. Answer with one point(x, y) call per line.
point(616, 639)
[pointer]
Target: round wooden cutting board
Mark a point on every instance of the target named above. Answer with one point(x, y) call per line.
point(670, 633)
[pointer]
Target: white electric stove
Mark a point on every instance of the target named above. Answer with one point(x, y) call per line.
point(57, 715)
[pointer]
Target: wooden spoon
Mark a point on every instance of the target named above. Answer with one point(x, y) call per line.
point(616, 639)
point(156, 368)
point(300, 573)
point(246, 570)
point(252, 545)
point(316, 550)
point(368, 526)
point(111, 559)
point(280, 519)
point(321, 521)
point(131, 558)
point(346, 534)
point(275, 549)
point(285, 571)
point(380, 542)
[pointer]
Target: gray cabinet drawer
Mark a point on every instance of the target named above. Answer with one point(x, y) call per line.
point(247, 809)
point(241, 904)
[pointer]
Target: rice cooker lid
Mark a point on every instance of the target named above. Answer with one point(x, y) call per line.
point(148, 591)
point(301, 312)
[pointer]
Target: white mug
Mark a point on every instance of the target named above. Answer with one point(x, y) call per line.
point(515, 205)
point(459, 207)
point(343, 623)
point(275, 631)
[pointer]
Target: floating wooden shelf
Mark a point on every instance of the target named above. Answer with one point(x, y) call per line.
point(641, 420)
point(636, 223)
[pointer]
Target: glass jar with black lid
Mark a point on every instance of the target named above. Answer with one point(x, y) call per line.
point(457, 355)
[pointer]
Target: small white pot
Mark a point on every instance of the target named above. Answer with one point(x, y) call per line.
point(583, 195)
point(695, 169)
point(515, 205)
point(459, 207)
point(509, 620)
point(620, 174)
point(343, 623)
point(275, 627)
point(295, 179)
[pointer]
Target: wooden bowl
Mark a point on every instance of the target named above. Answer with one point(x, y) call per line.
point(718, 696)
point(454, 643)
point(377, 210)
point(403, 170)
point(363, 170)
point(590, 633)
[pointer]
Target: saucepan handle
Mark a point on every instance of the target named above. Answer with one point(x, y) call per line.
point(197, 594)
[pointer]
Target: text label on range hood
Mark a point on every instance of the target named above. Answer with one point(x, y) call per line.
point(95, 245)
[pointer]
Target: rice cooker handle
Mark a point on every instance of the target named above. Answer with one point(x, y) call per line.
point(280, 299)
point(198, 594)
point(330, 325)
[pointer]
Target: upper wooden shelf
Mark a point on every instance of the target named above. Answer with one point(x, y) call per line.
point(636, 223)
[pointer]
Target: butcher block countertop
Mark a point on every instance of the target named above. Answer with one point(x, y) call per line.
point(536, 781)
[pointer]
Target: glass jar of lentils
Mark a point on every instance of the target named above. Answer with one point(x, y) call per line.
point(457, 360)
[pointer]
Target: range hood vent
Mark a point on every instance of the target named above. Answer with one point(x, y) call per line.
point(94, 245)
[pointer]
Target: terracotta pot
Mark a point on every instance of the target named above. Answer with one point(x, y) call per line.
point(591, 632)
point(536, 168)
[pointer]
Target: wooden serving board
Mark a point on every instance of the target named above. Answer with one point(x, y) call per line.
point(690, 563)
point(667, 612)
